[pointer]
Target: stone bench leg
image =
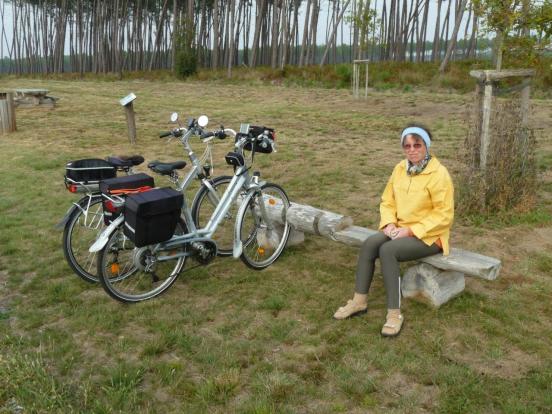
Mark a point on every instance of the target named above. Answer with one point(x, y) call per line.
point(432, 284)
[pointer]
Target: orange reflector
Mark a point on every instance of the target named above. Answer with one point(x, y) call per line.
point(115, 268)
point(261, 251)
point(271, 201)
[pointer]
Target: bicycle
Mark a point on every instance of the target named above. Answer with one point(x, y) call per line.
point(132, 270)
point(87, 218)
point(84, 219)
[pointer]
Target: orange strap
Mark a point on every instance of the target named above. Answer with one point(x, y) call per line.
point(130, 190)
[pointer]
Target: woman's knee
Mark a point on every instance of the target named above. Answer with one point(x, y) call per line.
point(388, 249)
point(370, 247)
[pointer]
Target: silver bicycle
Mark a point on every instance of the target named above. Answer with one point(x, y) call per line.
point(131, 274)
point(86, 218)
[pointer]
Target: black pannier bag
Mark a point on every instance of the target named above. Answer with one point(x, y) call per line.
point(87, 172)
point(151, 217)
point(126, 184)
point(261, 146)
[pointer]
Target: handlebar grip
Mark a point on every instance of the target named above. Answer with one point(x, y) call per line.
point(206, 135)
point(165, 134)
point(220, 134)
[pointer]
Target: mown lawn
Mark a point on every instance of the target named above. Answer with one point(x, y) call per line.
point(228, 339)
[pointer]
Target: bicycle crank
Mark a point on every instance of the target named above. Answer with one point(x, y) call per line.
point(204, 251)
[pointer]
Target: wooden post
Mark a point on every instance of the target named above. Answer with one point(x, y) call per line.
point(129, 111)
point(489, 78)
point(356, 78)
point(525, 95)
point(486, 121)
point(7, 113)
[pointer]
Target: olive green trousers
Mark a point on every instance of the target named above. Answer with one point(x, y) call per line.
point(390, 253)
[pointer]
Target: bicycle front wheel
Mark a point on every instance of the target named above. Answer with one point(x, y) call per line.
point(79, 233)
point(264, 229)
point(130, 274)
point(203, 206)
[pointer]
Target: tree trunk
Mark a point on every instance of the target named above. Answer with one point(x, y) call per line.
point(157, 43)
point(304, 43)
point(276, 10)
point(334, 32)
point(436, 38)
point(215, 43)
point(452, 43)
point(232, 39)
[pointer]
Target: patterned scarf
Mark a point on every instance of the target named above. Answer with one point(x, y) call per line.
point(415, 169)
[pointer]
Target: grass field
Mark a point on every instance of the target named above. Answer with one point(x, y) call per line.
point(228, 339)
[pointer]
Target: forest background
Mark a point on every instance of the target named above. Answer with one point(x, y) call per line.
point(80, 36)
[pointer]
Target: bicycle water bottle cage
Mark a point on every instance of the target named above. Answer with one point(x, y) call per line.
point(234, 159)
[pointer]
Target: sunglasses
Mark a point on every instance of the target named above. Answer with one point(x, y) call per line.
point(415, 146)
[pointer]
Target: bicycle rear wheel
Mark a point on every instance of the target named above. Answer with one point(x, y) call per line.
point(203, 206)
point(80, 232)
point(264, 238)
point(130, 274)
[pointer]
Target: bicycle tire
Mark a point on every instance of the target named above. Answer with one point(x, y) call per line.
point(134, 284)
point(262, 245)
point(79, 233)
point(203, 207)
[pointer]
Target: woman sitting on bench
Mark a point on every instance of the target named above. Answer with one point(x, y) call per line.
point(417, 210)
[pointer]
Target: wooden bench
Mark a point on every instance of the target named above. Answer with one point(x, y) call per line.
point(28, 98)
point(436, 279)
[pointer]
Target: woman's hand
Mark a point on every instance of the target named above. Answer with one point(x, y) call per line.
point(389, 230)
point(401, 232)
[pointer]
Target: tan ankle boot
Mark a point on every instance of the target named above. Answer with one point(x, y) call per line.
point(354, 306)
point(393, 323)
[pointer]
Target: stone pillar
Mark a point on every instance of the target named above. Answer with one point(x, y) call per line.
point(431, 284)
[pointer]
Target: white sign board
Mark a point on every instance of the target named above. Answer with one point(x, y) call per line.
point(127, 99)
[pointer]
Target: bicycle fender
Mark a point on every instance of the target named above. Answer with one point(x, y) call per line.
point(238, 245)
point(102, 239)
point(66, 217)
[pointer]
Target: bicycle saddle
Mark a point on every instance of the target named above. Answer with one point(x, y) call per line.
point(166, 168)
point(125, 161)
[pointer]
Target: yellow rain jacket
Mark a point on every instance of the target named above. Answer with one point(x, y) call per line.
point(423, 202)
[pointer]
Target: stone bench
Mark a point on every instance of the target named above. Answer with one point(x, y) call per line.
point(436, 279)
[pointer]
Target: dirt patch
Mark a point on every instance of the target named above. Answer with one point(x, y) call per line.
point(399, 386)
point(514, 365)
point(509, 364)
point(536, 241)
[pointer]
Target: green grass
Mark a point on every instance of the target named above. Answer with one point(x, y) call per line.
point(228, 339)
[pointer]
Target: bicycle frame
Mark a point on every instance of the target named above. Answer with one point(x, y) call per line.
point(241, 180)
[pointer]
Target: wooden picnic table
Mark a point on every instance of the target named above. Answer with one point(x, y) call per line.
point(26, 98)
